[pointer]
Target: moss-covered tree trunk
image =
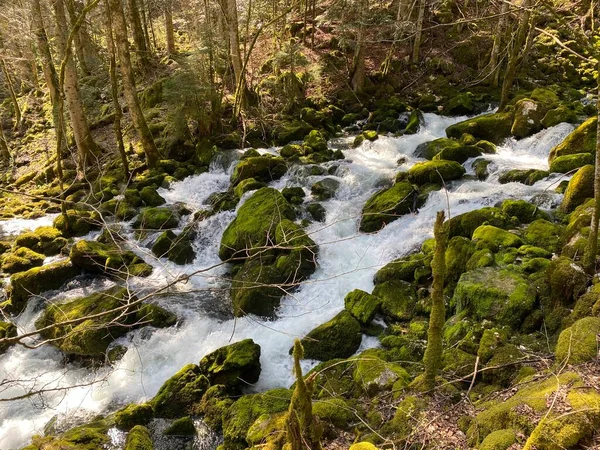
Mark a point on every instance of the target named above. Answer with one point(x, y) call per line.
point(11, 91)
point(591, 250)
point(4, 150)
point(169, 27)
point(432, 359)
point(138, 33)
point(416, 56)
point(494, 71)
point(137, 116)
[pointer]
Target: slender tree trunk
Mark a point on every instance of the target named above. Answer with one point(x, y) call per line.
point(419, 33)
point(591, 249)
point(137, 116)
point(433, 353)
point(115, 92)
point(169, 28)
point(11, 91)
point(77, 39)
point(358, 67)
point(86, 146)
point(234, 40)
point(515, 55)
point(138, 33)
point(4, 150)
point(495, 56)
point(145, 19)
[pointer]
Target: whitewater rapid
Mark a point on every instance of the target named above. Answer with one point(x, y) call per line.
point(347, 260)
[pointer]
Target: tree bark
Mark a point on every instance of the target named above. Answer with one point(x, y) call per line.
point(358, 65)
point(11, 91)
point(419, 33)
point(137, 116)
point(138, 33)
point(169, 27)
point(86, 147)
point(432, 359)
point(234, 39)
point(495, 56)
point(4, 150)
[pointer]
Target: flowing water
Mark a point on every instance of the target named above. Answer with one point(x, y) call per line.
point(347, 260)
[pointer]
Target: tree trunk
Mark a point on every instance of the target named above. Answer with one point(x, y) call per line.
point(591, 249)
point(234, 40)
point(358, 65)
point(419, 33)
point(4, 151)
point(11, 91)
point(169, 28)
point(145, 25)
point(137, 116)
point(77, 39)
point(86, 147)
point(115, 92)
point(495, 56)
point(515, 55)
point(432, 359)
point(138, 33)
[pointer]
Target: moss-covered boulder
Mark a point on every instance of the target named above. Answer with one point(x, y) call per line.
point(544, 234)
point(465, 224)
point(97, 257)
point(499, 440)
point(131, 415)
point(458, 253)
point(581, 140)
point(524, 211)
point(495, 239)
point(402, 269)
point(567, 163)
point(499, 295)
point(157, 219)
point(528, 118)
point(180, 395)
point(317, 211)
point(292, 151)
point(566, 280)
point(235, 366)
point(181, 427)
point(578, 343)
point(398, 299)
point(255, 224)
point(340, 337)
point(363, 446)
point(7, 330)
point(316, 140)
point(362, 305)
point(77, 223)
point(436, 172)
point(91, 436)
point(325, 189)
point(430, 149)
point(387, 205)
point(138, 439)
point(150, 197)
point(367, 135)
point(249, 184)
point(38, 280)
point(46, 240)
point(95, 321)
point(459, 153)
point(580, 188)
point(491, 127)
point(560, 114)
point(20, 260)
point(178, 249)
point(375, 375)
point(264, 168)
point(526, 176)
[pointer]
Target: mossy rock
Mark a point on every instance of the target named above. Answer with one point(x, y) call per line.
point(77, 223)
point(578, 343)
point(386, 206)
point(580, 188)
point(402, 269)
point(465, 224)
point(526, 176)
point(20, 260)
point(157, 219)
point(504, 365)
point(430, 149)
point(368, 135)
point(325, 188)
point(317, 212)
point(568, 163)
point(363, 446)
point(138, 439)
point(457, 362)
point(458, 153)
point(150, 197)
point(90, 337)
point(97, 257)
point(255, 223)
point(498, 295)
point(235, 366)
point(340, 337)
point(264, 168)
point(375, 375)
point(249, 184)
point(38, 280)
point(180, 395)
point(334, 411)
point(362, 305)
point(45, 240)
point(436, 172)
point(181, 427)
point(581, 140)
point(316, 140)
point(458, 253)
point(561, 114)
point(460, 105)
point(528, 118)
point(499, 440)
point(544, 234)
point(566, 280)
point(490, 127)
point(295, 195)
point(292, 151)
point(132, 415)
point(495, 239)
point(398, 299)
point(524, 211)
point(7, 330)
point(90, 436)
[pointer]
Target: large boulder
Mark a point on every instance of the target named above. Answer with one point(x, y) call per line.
point(77, 223)
point(234, 366)
point(7, 330)
point(567, 163)
point(362, 305)
point(491, 127)
point(387, 205)
point(87, 326)
point(338, 338)
point(46, 240)
point(498, 295)
point(97, 257)
point(465, 224)
point(580, 188)
point(578, 343)
point(528, 118)
point(581, 140)
point(156, 218)
point(436, 172)
point(180, 395)
point(264, 168)
point(325, 189)
point(20, 260)
point(526, 176)
point(178, 249)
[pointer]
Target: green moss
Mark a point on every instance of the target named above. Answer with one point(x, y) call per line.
point(28, 240)
point(20, 260)
point(7, 330)
point(407, 415)
point(90, 436)
point(528, 118)
point(132, 415)
point(458, 153)
point(235, 365)
point(157, 219)
point(77, 223)
point(544, 234)
point(466, 223)
point(340, 337)
point(578, 344)
point(499, 440)
point(181, 427)
point(255, 223)
point(458, 253)
point(369, 135)
point(363, 446)
point(398, 299)
point(402, 269)
point(491, 340)
point(181, 393)
point(256, 288)
point(566, 280)
point(429, 150)
point(524, 211)
point(362, 305)
point(481, 258)
point(139, 439)
point(581, 140)
point(325, 188)
point(249, 184)
point(38, 280)
point(580, 188)
point(495, 239)
point(437, 172)
point(97, 257)
point(567, 163)
point(292, 151)
point(558, 115)
point(498, 295)
point(375, 375)
point(264, 168)
point(491, 127)
point(150, 197)
point(457, 362)
point(526, 176)
point(335, 411)
point(386, 206)
point(503, 366)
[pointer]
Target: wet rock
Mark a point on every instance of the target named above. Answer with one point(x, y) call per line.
point(580, 188)
point(325, 189)
point(338, 338)
point(388, 205)
point(581, 140)
point(567, 163)
point(491, 127)
point(436, 172)
point(264, 168)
